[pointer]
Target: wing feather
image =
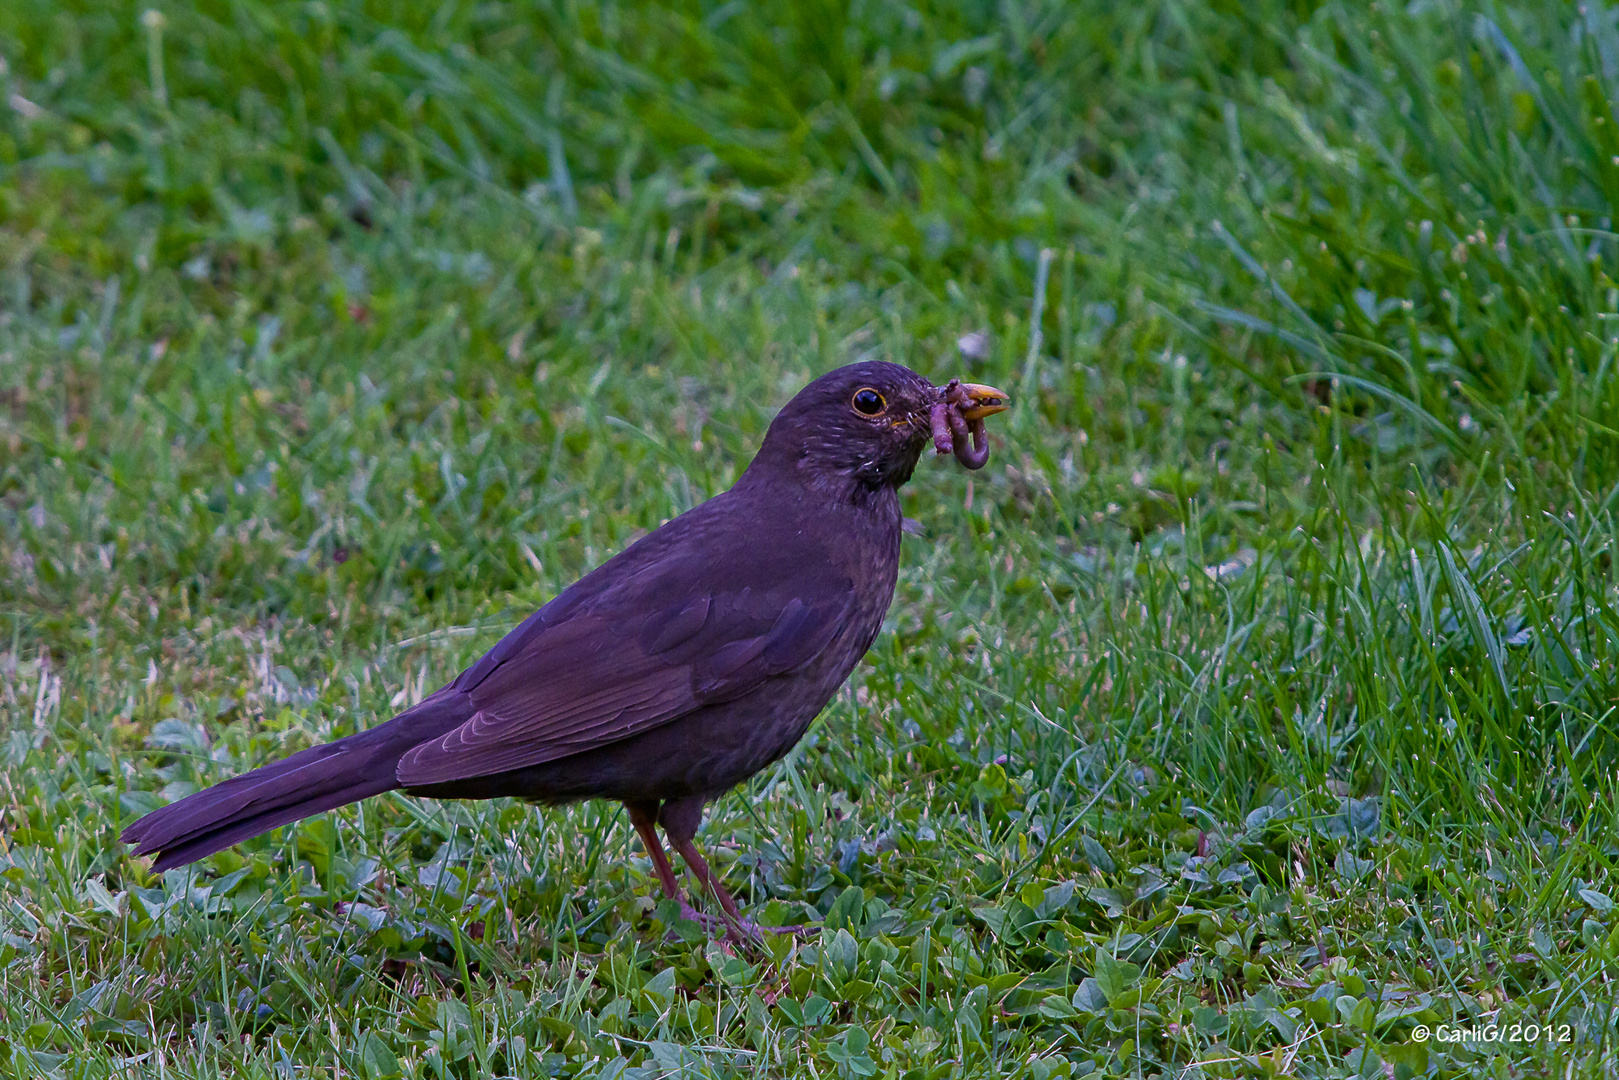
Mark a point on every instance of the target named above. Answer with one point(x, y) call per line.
point(595, 677)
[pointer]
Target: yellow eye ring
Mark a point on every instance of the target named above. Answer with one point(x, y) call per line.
point(868, 402)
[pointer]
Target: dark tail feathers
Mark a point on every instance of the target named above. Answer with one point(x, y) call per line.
point(308, 782)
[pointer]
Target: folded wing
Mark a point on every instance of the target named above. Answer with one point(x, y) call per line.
point(598, 674)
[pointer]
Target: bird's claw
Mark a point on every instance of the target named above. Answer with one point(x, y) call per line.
point(747, 929)
point(711, 924)
point(743, 932)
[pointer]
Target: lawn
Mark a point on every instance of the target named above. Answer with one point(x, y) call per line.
point(1252, 714)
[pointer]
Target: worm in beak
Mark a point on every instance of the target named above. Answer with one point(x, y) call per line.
point(957, 421)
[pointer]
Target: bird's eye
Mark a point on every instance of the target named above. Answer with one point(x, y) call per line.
point(868, 402)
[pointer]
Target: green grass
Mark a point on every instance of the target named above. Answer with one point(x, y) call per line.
point(337, 336)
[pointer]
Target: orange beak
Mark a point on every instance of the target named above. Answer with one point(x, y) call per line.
point(987, 401)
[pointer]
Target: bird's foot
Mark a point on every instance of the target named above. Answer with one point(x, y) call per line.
point(799, 930)
point(727, 928)
point(711, 925)
point(748, 930)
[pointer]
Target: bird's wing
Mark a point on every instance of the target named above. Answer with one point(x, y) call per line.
point(627, 662)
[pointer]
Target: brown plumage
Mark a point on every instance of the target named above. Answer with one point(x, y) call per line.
point(670, 673)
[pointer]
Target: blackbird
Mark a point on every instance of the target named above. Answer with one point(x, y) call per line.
point(673, 671)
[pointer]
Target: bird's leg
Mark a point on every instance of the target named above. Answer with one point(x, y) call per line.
point(644, 818)
point(699, 866)
point(746, 929)
point(680, 819)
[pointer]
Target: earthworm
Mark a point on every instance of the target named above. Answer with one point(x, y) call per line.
point(943, 443)
point(954, 433)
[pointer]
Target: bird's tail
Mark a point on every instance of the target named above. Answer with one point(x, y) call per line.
point(308, 782)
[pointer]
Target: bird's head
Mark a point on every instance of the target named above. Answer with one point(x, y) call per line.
point(863, 426)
